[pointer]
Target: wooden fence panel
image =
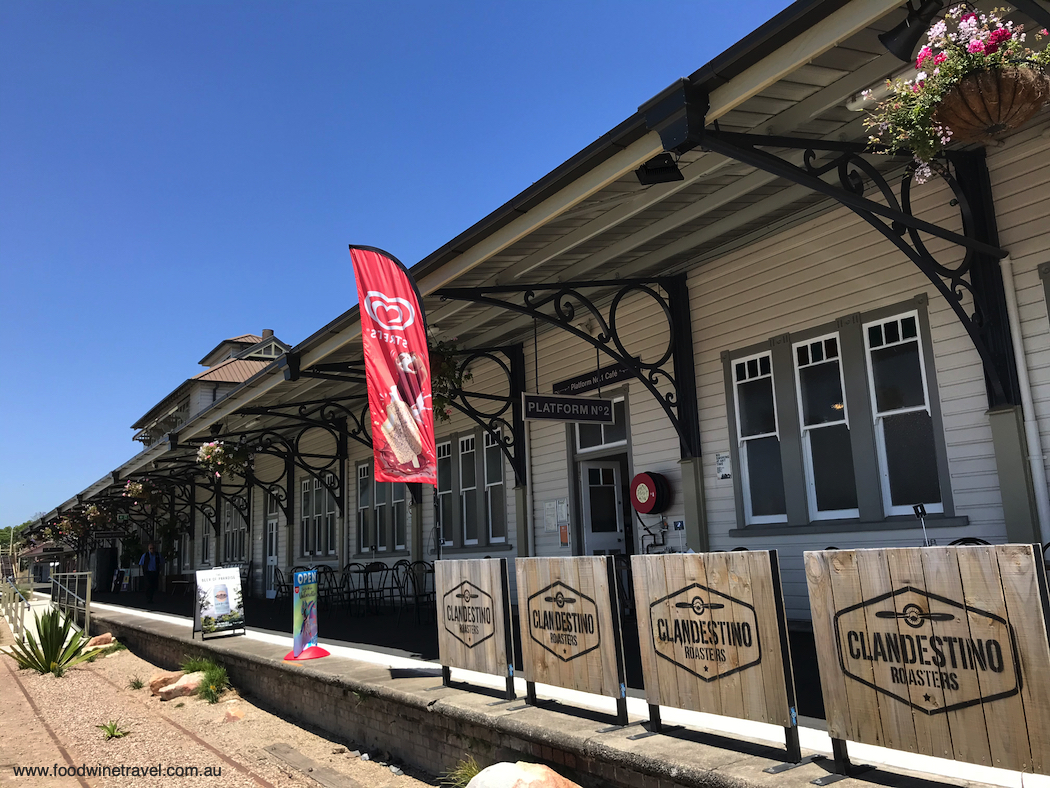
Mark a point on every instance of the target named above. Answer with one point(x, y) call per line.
point(713, 635)
point(474, 629)
point(570, 624)
point(936, 650)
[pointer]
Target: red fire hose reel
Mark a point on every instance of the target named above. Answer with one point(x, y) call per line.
point(650, 493)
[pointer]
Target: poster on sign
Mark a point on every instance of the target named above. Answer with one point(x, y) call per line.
point(304, 617)
point(397, 368)
point(219, 606)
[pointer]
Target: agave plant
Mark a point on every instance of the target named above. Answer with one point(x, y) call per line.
point(60, 647)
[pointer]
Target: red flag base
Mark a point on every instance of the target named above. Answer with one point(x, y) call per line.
point(314, 652)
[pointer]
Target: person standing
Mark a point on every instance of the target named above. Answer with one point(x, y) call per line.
point(151, 563)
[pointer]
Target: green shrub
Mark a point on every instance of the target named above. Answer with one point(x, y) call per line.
point(215, 679)
point(136, 683)
point(60, 646)
point(110, 649)
point(462, 773)
point(112, 730)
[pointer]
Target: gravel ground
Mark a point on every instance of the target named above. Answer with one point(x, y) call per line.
point(181, 732)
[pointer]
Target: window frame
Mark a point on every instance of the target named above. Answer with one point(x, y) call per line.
point(605, 445)
point(806, 430)
point(877, 416)
point(492, 442)
point(749, 517)
point(856, 379)
point(471, 440)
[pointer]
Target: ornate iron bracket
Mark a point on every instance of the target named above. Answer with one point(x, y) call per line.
point(894, 220)
point(564, 305)
point(508, 435)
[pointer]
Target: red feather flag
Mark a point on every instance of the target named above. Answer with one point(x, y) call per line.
point(397, 368)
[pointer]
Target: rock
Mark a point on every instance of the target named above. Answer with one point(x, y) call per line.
point(233, 714)
point(159, 680)
point(100, 640)
point(519, 775)
point(338, 750)
point(355, 754)
point(187, 685)
point(365, 757)
point(397, 772)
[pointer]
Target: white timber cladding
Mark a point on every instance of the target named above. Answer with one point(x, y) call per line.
point(1020, 175)
point(652, 441)
point(810, 275)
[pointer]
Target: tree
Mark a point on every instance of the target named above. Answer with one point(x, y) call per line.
point(19, 541)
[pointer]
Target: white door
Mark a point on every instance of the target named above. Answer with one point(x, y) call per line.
point(602, 508)
point(271, 545)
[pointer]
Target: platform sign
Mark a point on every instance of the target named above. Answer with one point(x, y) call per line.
point(219, 606)
point(474, 625)
point(570, 624)
point(713, 634)
point(936, 650)
point(551, 407)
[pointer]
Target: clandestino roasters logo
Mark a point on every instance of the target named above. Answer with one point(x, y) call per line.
point(468, 614)
point(704, 632)
point(928, 652)
point(563, 621)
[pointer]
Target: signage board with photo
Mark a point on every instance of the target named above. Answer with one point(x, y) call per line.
point(304, 611)
point(570, 624)
point(713, 634)
point(219, 606)
point(474, 625)
point(941, 651)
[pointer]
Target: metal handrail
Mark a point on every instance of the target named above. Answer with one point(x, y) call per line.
point(79, 603)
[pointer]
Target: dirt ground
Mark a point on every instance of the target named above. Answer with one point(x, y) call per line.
point(46, 721)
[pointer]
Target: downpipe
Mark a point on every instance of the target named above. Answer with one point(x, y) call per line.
point(1031, 425)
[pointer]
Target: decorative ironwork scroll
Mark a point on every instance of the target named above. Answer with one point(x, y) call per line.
point(566, 305)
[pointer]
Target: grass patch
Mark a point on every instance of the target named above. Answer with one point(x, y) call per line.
point(112, 648)
point(136, 683)
point(179, 705)
point(112, 730)
point(215, 679)
point(462, 773)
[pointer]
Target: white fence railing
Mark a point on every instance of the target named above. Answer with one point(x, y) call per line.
point(71, 594)
point(14, 607)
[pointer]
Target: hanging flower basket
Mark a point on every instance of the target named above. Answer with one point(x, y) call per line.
point(218, 458)
point(987, 104)
point(976, 80)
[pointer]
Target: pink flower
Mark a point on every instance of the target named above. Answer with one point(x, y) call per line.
point(999, 35)
point(975, 47)
point(967, 16)
point(1044, 32)
point(924, 53)
point(939, 58)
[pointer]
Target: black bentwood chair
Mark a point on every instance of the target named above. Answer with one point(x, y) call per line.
point(280, 586)
point(419, 589)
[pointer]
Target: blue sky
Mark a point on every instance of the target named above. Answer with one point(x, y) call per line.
point(174, 173)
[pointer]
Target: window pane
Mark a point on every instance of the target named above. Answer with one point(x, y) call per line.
point(382, 525)
point(382, 493)
point(910, 458)
point(740, 373)
point(603, 509)
point(497, 512)
point(617, 431)
point(594, 475)
point(875, 336)
point(892, 332)
point(765, 477)
point(397, 491)
point(364, 492)
point(821, 394)
point(493, 465)
point(444, 474)
point(590, 435)
point(908, 328)
point(364, 528)
point(898, 379)
point(836, 486)
point(467, 472)
point(399, 523)
point(446, 516)
point(470, 514)
point(756, 407)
